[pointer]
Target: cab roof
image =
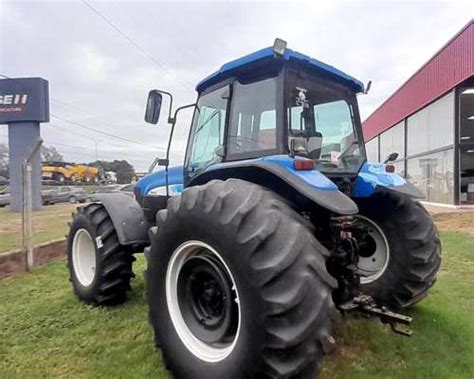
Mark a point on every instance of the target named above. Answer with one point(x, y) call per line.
point(240, 66)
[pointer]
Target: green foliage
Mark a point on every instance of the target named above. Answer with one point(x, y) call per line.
point(123, 169)
point(50, 154)
point(46, 332)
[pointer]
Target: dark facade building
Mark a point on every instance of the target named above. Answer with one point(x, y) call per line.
point(429, 122)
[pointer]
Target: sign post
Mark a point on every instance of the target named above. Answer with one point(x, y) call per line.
point(24, 104)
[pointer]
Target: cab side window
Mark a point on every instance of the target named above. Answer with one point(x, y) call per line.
point(252, 125)
point(208, 130)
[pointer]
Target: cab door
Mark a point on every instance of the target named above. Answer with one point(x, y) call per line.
point(206, 140)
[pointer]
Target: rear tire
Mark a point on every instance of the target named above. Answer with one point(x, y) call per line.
point(100, 268)
point(274, 267)
point(414, 249)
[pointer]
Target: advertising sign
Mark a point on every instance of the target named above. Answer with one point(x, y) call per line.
point(24, 99)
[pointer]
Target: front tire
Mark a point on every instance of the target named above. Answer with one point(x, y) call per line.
point(404, 233)
point(273, 305)
point(100, 268)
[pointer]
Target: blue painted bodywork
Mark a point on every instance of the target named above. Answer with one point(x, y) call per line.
point(372, 175)
point(314, 178)
point(230, 69)
point(158, 179)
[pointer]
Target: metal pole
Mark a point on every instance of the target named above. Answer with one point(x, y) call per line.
point(28, 217)
point(27, 207)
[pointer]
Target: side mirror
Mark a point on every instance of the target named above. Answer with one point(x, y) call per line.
point(367, 87)
point(392, 157)
point(153, 107)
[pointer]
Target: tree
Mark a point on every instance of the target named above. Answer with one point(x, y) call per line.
point(4, 160)
point(123, 169)
point(50, 154)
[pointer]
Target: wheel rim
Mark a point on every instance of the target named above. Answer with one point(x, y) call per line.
point(72, 199)
point(203, 301)
point(83, 257)
point(375, 252)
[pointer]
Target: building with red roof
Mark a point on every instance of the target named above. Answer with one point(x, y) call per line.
point(429, 122)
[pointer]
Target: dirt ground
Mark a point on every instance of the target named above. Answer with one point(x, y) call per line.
point(48, 224)
point(455, 221)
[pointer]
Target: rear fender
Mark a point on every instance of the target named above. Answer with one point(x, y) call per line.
point(277, 173)
point(373, 177)
point(127, 216)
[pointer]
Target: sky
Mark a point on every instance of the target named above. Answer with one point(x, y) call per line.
point(100, 74)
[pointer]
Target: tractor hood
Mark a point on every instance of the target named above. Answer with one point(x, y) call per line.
point(156, 182)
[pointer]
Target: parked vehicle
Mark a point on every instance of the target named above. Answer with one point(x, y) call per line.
point(70, 172)
point(275, 224)
point(4, 197)
point(110, 177)
point(47, 197)
point(67, 194)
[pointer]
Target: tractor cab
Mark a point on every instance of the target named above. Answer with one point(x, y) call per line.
point(277, 101)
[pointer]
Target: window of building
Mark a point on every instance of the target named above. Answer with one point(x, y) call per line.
point(466, 140)
point(432, 127)
point(433, 175)
point(372, 149)
point(467, 175)
point(393, 141)
point(466, 115)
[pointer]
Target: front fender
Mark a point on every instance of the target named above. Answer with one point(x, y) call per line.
point(127, 216)
point(373, 177)
point(278, 174)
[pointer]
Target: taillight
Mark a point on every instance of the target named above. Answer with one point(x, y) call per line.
point(390, 168)
point(303, 164)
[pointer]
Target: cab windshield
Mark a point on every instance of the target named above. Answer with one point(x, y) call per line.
point(322, 115)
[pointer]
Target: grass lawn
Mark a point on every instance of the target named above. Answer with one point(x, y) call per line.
point(49, 223)
point(46, 332)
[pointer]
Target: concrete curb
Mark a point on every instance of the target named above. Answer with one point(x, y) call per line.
point(14, 262)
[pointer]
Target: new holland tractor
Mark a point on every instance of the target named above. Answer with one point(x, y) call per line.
point(275, 225)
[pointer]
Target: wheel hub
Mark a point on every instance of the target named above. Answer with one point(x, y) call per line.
point(205, 298)
point(374, 251)
point(83, 257)
point(203, 301)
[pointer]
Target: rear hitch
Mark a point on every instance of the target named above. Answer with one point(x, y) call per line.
point(366, 305)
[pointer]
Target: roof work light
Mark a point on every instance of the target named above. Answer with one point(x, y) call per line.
point(279, 47)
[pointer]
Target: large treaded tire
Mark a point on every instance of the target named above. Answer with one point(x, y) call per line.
point(113, 262)
point(279, 271)
point(415, 249)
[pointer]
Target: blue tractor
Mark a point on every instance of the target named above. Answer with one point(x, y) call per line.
point(274, 226)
